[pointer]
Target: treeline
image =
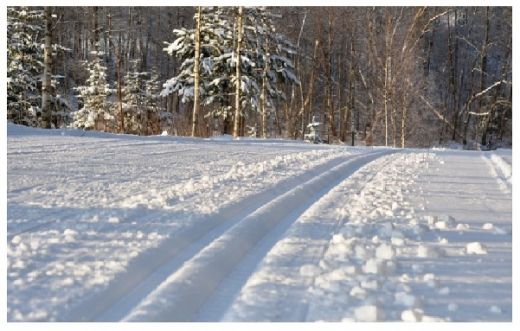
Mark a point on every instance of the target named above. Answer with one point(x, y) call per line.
point(400, 76)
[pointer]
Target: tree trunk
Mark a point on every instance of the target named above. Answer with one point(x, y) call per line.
point(119, 92)
point(47, 70)
point(351, 93)
point(483, 73)
point(196, 73)
point(263, 99)
point(404, 116)
point(238, 77)
point(330, 87)
point(388, 64)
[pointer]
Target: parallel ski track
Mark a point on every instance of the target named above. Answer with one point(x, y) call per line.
point(222, 298)
point(230, 235)
point(146, 272)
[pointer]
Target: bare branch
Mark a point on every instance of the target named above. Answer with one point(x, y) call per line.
point(439, 115)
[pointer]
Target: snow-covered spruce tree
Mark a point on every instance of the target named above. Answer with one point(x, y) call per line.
point(259, 77)
point(134, 99)
point(264, 64)
point(152, 105)
point(24, 64)
point(273, 64)
point(95, 113)
point(214, 31)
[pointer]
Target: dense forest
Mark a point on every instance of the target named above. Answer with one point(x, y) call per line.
point(396, 76)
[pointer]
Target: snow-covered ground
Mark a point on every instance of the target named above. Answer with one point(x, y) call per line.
point(105, 227)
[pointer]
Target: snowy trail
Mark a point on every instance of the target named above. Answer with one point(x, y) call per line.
point(78, 216)
point(122, 228)
point(148, 270)
point(188, 288)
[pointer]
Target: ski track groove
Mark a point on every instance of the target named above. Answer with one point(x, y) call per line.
point(129, 288)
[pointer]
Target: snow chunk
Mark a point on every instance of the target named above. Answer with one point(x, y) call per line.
point(409, 315)
point(385, 252)
point(358, 292)
point(430, 280)
point(476, 248)
point(70, 235)
point(488, 226)
point(361, 252)
point(429, 252)
point(443, 241)
point(373, 266)
point(310, 270)
point(462, 227)
point(113, 220)
point(16, 240)
point(370, 284)
point(405, 278)
point(441, 225)
point(397, 241)
point(427, 318)
point(369, 313)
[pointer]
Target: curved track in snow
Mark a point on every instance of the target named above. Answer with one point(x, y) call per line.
point(188, 268)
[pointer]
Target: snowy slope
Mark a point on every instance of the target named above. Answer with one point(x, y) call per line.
point(108, 227)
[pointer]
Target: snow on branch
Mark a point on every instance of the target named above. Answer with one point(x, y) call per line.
point(425, 29)
point(495, 84)
point(478, 114)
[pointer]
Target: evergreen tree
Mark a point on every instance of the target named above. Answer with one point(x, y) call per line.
point(263, 65)
point(152, 105)
point(95, 111)
point(134, 97)
point(24, 64)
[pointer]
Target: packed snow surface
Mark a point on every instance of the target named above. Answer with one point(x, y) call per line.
point(104, 227)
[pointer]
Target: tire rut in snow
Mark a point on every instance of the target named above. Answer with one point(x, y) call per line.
point(181, 296)
point(149, 269)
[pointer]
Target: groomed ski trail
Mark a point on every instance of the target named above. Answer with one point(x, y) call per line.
point(197, 260)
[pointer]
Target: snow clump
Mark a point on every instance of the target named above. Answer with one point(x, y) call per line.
point(410, 315)
point(369, 313)
point(476, 248)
